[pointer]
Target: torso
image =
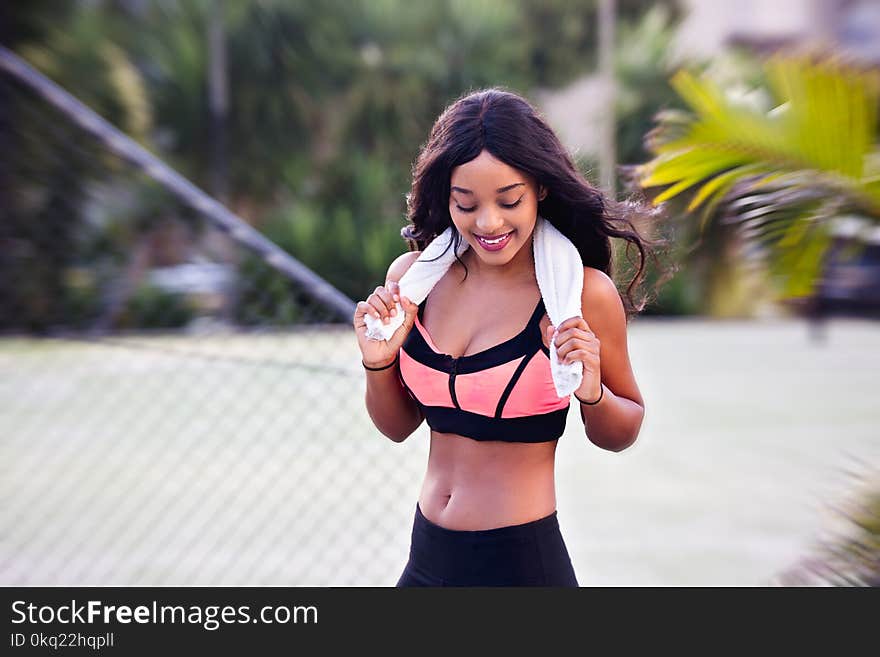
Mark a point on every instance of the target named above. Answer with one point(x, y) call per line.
point(470, 484)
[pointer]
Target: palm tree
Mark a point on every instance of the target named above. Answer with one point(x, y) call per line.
point(782, 170)
point(849, 556)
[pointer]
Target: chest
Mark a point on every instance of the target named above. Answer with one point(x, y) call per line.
point(466, 325)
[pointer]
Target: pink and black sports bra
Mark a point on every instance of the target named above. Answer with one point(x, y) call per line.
point(505, 392)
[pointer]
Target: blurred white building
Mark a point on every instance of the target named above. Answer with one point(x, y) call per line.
point(852, 26)
point(708, 27)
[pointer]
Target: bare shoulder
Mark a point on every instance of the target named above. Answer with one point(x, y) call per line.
point(400, 265)
point(600, 293)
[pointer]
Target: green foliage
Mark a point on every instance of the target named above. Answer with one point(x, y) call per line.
point(81, 298)
point(328, 105)
point(561, 36)
point(44, 188)
point(782, 171)
point(642, 67)
point(850, 556)
point(679, 294)
point(351, 253)
point(265, 296)
point(151, 307)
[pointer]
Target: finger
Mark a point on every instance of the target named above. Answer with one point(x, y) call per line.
point(363, 308)
point(579, 355)
point(384, 302)
point(379, 310)
point(553, 337)
point(575, 334)
point(393, 288)
point(563, 336)
point(574, 322)
point(386, 297)
point(575, 344)
point(409, 307)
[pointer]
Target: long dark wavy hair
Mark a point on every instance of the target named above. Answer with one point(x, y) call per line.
point(513, 131)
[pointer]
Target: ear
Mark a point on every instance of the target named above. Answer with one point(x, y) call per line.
point(542, 192)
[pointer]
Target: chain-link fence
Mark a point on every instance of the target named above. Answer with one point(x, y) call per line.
point(181, 402)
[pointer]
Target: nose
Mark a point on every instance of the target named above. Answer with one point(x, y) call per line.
point(489, 223)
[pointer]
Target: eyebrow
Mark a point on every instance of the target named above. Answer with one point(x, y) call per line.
point(499, 190)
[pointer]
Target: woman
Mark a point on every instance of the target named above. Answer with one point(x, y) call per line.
point(476, 365)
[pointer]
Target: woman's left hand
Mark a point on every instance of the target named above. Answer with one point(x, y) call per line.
point(576, 342)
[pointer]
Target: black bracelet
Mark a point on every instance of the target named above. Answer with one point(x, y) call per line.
point(601, 393)
point(384, 367)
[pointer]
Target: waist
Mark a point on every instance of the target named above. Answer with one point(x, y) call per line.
point(545, 524)
point(513, 555)
point(475, 485)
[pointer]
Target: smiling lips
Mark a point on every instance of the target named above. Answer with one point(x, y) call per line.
point(494, 244)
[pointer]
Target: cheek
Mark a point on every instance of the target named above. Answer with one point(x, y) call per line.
point(456, 220)
point(456, 215)
point(526, 214)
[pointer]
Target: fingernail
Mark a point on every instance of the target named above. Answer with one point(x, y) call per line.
point(394, 311)
point(396, 298)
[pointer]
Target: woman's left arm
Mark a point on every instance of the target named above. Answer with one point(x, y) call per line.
point(598, 340)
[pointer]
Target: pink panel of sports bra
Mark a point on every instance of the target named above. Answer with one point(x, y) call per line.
point(505, 392)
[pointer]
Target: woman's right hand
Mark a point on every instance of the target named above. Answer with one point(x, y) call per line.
point(381, 304)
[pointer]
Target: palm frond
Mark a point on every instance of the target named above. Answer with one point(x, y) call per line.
point(781, 173)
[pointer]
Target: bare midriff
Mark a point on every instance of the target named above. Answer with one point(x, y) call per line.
point(473, 485)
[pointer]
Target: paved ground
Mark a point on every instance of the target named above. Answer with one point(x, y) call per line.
point(209, 460)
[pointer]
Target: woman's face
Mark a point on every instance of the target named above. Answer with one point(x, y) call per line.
point(489, 199)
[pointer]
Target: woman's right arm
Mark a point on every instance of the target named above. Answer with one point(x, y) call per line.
point(395, 414)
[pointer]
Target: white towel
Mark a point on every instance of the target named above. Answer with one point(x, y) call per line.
point(560, 275)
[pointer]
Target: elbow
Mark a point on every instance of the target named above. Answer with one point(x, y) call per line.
point(395, 434)
point(392, 426)
point(399, 434)
point(633, 434)
point(622, 444)
point(616, 444)
point(623, 439)
point(396, 437)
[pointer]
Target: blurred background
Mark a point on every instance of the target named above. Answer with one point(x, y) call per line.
point(194, 195)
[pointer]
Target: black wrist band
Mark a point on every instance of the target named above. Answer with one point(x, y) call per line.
point(592, 403)
point(384, 367)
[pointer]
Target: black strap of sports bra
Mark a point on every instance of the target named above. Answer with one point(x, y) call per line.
point(539, 311)
point(511, 383)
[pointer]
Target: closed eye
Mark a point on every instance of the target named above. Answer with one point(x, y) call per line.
point(509, 206)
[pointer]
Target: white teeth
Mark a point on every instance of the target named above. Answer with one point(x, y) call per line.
point(495, 241)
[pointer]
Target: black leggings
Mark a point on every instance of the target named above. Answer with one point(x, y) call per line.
point(530, 554)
